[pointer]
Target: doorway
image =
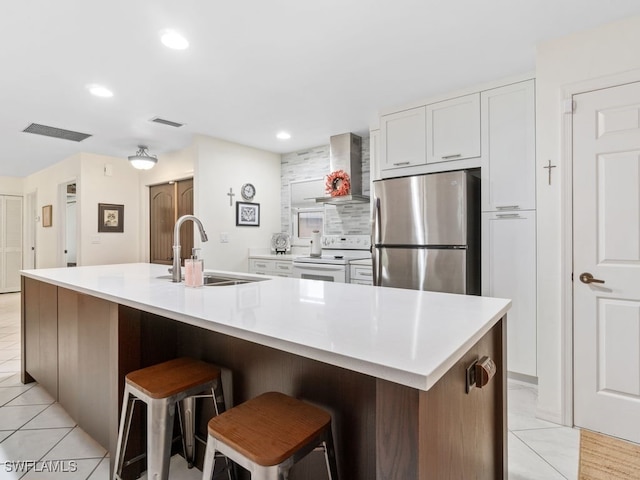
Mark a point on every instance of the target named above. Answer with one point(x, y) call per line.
point(168, 202)
point(67, 217)
point(606, 261)
point(71, 247)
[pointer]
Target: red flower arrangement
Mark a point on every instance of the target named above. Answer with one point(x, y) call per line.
point(338, 183)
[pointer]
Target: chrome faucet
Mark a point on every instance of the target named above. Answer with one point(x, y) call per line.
point(176, 274)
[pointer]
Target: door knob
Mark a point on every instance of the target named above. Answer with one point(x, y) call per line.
point(588, 278)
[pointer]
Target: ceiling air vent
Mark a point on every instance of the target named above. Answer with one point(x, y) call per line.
point(166, 122)
point(56, 132)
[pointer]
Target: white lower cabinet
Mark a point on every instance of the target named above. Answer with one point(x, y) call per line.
point(278, 268)
point(361, 274)
point(509, 271)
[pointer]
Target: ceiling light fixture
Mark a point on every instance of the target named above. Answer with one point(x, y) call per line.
point(142, 160)
point(283, 135)
point(99, 91)
point(173, 40)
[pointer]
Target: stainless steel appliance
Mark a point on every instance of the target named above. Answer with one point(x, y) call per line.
point(333, 265)
point(426, 232)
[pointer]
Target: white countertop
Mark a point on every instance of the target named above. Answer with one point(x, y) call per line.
point(364, 261)
point(404, 336)
point(272, 256)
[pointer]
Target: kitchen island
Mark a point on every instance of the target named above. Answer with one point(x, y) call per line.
point(390, 365)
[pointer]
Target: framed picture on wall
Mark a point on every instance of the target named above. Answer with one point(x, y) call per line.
point(110, 218)
point(47, 214)
point(247, 214)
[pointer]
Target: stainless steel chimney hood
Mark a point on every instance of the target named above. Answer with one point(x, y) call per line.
point(345, 153)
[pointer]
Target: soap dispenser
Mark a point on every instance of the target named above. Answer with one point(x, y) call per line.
point(194, 270)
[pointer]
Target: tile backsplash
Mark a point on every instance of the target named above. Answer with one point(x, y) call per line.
point(353, 219)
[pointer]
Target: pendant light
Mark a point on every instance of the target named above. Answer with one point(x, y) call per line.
point(142, 160)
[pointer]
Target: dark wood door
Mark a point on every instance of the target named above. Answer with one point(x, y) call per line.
point(184, 194)
point(167, 202)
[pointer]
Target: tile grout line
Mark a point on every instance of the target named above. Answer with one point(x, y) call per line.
point(540, 456)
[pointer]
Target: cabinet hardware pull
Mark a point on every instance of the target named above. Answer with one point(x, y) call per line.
point(508, 207)
point(449, 157)
point(507, 215)
point(401, 163)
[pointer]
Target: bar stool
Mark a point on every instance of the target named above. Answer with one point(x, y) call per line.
point(161, 387)
point(268, 434)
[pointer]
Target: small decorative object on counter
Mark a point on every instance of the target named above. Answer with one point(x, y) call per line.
point(316, 244)
point(280, 243)
point(194, 270)
point(338, 183)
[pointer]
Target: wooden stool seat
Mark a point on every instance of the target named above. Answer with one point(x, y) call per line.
point(268, 434)
point(169, 378)
point(163, 388)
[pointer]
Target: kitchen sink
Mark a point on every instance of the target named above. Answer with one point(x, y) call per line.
point(213, 280)
point(221, 281)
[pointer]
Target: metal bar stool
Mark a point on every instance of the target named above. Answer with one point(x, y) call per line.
point(162, 387)
point(268, 434)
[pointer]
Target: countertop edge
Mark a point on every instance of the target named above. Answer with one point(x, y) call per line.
point(415, 380)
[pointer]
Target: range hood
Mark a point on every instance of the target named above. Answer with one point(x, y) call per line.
point(345, 153)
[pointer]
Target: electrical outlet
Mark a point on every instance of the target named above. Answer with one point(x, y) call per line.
point(470, 381)
point(224, 237)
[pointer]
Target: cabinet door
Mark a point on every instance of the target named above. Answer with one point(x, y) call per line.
point(283, 269)
point(361, 274)
point(403, 139)
point(509, 271)
point(40, 339)
point(453, 129)
point(261, 267)
point(508, 146)
point(10, 243)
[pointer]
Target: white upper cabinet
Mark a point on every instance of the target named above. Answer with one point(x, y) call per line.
point(374, 154)
point(453, 129)
point(403, 139)
point(508, 147)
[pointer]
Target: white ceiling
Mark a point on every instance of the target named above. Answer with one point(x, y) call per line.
point(254, 67)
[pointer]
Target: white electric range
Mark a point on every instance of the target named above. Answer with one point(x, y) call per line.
point(333, 265)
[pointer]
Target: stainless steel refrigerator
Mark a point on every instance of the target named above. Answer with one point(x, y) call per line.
point(426, 232)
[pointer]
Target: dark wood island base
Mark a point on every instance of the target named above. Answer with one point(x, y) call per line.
point(80, 347)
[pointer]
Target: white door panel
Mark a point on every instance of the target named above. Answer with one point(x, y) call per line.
point(606, 189)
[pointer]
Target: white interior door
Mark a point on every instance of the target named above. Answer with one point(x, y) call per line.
point(10, 243)
point(606, 245)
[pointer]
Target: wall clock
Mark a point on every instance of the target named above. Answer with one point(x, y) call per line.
point(248, 191)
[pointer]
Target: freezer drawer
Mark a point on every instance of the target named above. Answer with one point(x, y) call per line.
point(436, 270)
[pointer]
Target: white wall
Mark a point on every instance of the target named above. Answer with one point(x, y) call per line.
point(122, 188)
point(45, 184)
point(561, 64)
point(93, 187)
point(11, 186)
point(221, 165)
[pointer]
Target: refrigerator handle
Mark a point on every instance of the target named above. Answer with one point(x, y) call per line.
point(375, 261)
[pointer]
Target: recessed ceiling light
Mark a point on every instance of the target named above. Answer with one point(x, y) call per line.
point(99, 91)
point(172, 39)
point(283, 135)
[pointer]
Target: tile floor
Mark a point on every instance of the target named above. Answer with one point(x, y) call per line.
point(35, 428)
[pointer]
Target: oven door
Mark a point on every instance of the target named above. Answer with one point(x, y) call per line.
point(320, 271)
